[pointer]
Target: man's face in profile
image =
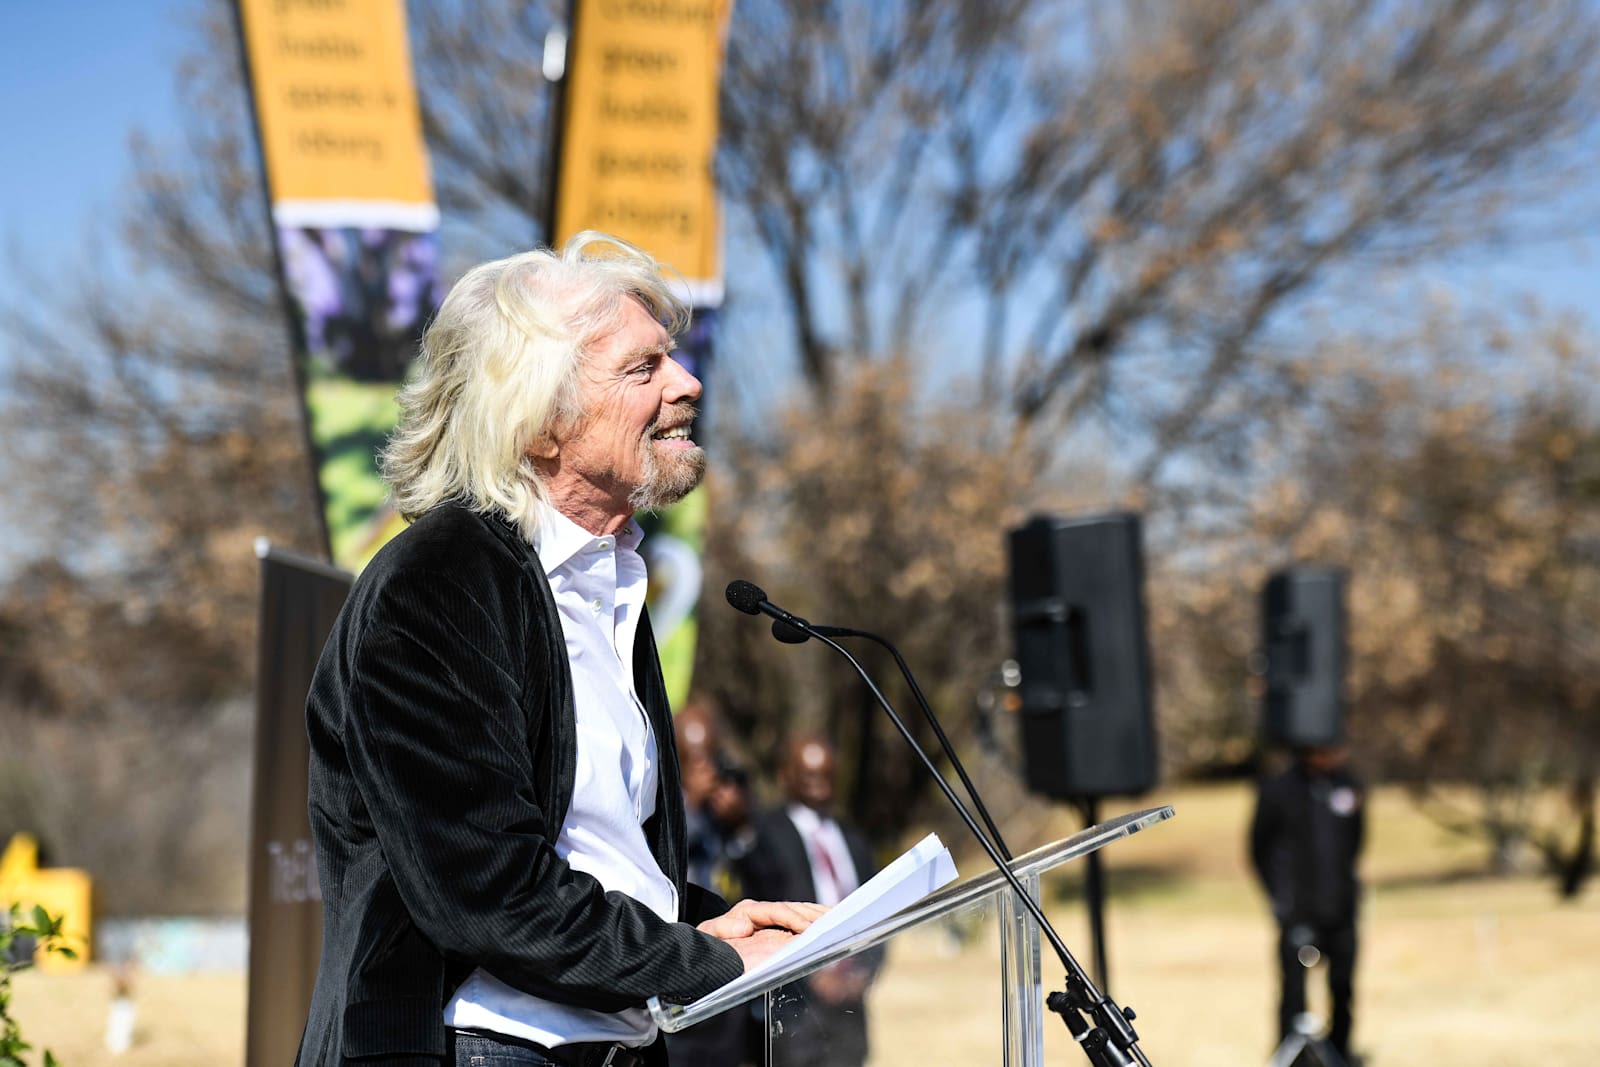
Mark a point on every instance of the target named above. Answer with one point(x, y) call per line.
point(631, 447)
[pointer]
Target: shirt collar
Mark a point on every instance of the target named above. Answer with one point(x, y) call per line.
point(807, 819)
point(558, 539)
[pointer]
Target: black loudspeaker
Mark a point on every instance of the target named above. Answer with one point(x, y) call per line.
point(1303, 642)
point(1077, 600)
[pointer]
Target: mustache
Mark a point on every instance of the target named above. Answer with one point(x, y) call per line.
point(684, 411)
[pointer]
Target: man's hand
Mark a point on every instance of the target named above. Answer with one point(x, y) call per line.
point(758, 928)
point(755, 949)
point(749, 917)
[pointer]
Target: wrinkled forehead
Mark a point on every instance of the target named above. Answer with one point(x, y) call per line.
point(633, 332)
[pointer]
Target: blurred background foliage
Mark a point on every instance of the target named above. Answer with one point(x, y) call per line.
point(986, 258)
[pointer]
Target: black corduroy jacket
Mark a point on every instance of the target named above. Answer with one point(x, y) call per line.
point(443, 757)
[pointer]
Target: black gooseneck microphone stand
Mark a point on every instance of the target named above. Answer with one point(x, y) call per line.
point(790, 634)
point(1104, 1030)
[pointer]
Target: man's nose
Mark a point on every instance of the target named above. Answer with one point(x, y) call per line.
point(679, 383)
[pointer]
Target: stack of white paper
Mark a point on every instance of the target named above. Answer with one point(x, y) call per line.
point(919, 871)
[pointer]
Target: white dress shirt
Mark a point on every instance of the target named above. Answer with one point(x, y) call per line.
point(833, 871)
point(599, 585)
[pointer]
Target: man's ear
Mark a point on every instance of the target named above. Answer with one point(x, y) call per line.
point(547, 446)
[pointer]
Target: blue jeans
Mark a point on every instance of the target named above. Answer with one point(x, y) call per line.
point(473, 1050)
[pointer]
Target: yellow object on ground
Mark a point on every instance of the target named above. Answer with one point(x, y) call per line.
point(61, 891)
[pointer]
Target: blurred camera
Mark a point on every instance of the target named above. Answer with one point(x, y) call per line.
point(731, 772)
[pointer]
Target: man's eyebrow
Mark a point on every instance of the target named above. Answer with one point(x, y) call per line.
point(665, 348)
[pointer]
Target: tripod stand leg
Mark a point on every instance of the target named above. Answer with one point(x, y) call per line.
point(1302, 1050)
point(1288, 1051)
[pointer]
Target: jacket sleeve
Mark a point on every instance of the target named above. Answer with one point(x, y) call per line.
point(439, 746)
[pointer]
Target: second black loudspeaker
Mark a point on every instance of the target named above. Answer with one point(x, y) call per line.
point(1077, 600)
point(1303, 640)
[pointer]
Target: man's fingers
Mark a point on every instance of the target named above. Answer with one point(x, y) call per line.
point(729, 926)
point(790, 915)
point(750, 917)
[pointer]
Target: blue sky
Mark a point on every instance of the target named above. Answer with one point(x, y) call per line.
point(76, 77)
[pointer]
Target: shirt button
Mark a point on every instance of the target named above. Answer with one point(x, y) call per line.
point(605, 545)
point(596, 605)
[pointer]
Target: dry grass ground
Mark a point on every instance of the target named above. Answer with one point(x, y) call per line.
point(1455, 968)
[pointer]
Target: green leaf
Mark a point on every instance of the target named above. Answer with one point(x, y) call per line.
point(41, 920)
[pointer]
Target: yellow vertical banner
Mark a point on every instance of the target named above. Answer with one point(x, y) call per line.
point(640, 132)
point(341, 131)
point(354, 218)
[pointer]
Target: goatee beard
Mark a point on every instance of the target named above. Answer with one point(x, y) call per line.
point(668, 475)
point(667, 481)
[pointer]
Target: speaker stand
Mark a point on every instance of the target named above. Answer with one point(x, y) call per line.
point(1094, 892)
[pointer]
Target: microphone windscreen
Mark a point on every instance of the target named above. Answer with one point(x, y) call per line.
point(789, 633)
point(746, 596)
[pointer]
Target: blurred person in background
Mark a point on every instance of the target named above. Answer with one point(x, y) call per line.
point(716, 799)
point(494, 788)
point(1305, 841)
point(804, 852)
point(716, 802)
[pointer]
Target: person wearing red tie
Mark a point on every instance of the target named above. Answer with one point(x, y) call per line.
point(802, 849)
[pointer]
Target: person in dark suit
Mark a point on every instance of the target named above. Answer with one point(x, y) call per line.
point(716, 803)
point(1305, 840)
point(802, 852)
point(494, 790)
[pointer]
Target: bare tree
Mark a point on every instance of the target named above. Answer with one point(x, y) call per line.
point(839, 124)
point(486, 115)
point(1457, 478)
point(1142, 195)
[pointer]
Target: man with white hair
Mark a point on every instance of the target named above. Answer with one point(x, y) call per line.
point(494, 790)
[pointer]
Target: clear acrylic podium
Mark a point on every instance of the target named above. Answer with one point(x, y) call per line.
point(956, 977)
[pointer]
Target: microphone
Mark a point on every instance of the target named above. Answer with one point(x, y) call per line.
point(752, 600)
point(746, 596)
point(1106, 1036)
point(787, 627)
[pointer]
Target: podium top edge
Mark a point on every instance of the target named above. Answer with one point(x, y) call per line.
point(986, 884)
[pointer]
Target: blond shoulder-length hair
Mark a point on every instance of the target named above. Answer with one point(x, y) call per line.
point(498, 372)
